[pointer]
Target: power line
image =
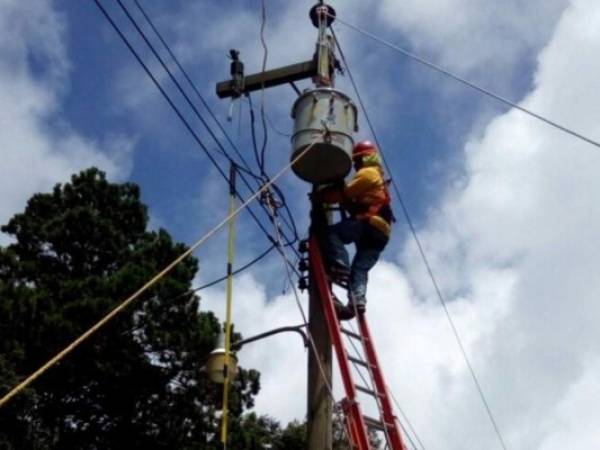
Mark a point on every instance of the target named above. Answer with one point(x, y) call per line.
point(289, 223)
point(173, 78)
point(273, 127)
point(125, 303)
point(422, 252)
point(313, 346)
point(224, 277)
point(471, 84)
point(407, 422)
point(178, 112)
point(371, 385)
point(262, 97)
point(191, 83)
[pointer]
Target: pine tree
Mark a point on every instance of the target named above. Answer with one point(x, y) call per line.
point(138, 383)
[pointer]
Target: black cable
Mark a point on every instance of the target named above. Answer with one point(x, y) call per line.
point(235, 272)
point(289, 242)
point(421, 251)
point(290, 221)
point(472, 85)
point(262, 102)
point(180, 115)
point(173, 78)
point(263, 176)
point(193, 86)
point(253, 133)
point(217, 281)
point(274, 128)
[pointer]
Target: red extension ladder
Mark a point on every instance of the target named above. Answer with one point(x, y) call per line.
point(358, 425)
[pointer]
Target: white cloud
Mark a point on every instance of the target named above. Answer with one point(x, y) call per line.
point(281, 359)
point(514, 244)
point(38, 147)
point(469, 35)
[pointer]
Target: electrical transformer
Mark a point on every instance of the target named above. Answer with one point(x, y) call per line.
point(324, 119)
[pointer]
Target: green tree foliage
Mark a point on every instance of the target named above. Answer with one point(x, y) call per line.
point(76, 253)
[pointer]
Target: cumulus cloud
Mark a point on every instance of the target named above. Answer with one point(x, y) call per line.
point(281, 359)
point(514, 243)
point(39, 148)
point(469, 35)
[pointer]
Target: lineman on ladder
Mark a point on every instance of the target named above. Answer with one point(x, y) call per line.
point(367, 201)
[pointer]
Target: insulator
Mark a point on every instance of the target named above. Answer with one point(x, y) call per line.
point(303, 283)
point(303, 246)
point(303, 265)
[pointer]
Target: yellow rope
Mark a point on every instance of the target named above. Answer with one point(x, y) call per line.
point(35, 375)
point(229, 295)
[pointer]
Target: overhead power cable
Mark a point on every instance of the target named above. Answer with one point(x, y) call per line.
point(262, 96)
point(313, 346)
point(470, 84)
point(124, 304)
point(290, 223)
point(235, 272)
point(372, 387)
point(192, 84)
point(272, 125)
point(224, 277)
point(179, 114)
point(422, 447)
point(171, 76)
point(422, 252)
point(215, 282)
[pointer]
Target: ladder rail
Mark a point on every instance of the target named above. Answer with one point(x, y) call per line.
point(358, 428)
point(392, 431)
point(378, 396)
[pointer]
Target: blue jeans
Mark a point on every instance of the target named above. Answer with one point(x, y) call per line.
point(369, 242)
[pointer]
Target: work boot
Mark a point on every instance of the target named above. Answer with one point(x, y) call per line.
point(337, 269)
point(342, 312)
point(358, 305)
point(361, 308)
point(338, 273)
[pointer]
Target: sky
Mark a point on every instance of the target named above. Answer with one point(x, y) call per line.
point(505, 206)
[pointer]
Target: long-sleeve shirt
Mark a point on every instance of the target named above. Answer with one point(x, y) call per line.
point(364, 195)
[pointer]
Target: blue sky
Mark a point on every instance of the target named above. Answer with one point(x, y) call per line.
point(422, 119)
point(506, 207)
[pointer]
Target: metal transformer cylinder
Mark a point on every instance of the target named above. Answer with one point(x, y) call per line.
point(325, 118)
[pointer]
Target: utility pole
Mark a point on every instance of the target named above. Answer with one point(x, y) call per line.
point(327, 161)
point(319, 418)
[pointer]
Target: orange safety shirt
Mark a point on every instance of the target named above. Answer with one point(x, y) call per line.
point(364, 195)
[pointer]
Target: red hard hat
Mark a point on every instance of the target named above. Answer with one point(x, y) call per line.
point(363, 148)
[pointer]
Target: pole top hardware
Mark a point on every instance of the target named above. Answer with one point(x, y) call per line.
point(237, 73)
point(326, 12)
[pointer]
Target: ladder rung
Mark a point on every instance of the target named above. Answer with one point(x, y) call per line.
point(360, 362)
point(367, 391)
point(351, 334)
point(373, 423)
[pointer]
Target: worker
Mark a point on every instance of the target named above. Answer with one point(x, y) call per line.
point(367, 202)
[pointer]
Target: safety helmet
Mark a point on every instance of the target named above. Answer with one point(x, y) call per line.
point(363, 148)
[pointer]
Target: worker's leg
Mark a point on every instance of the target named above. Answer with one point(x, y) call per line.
point(364, 260)
point(368, 249)
point(338, 235)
